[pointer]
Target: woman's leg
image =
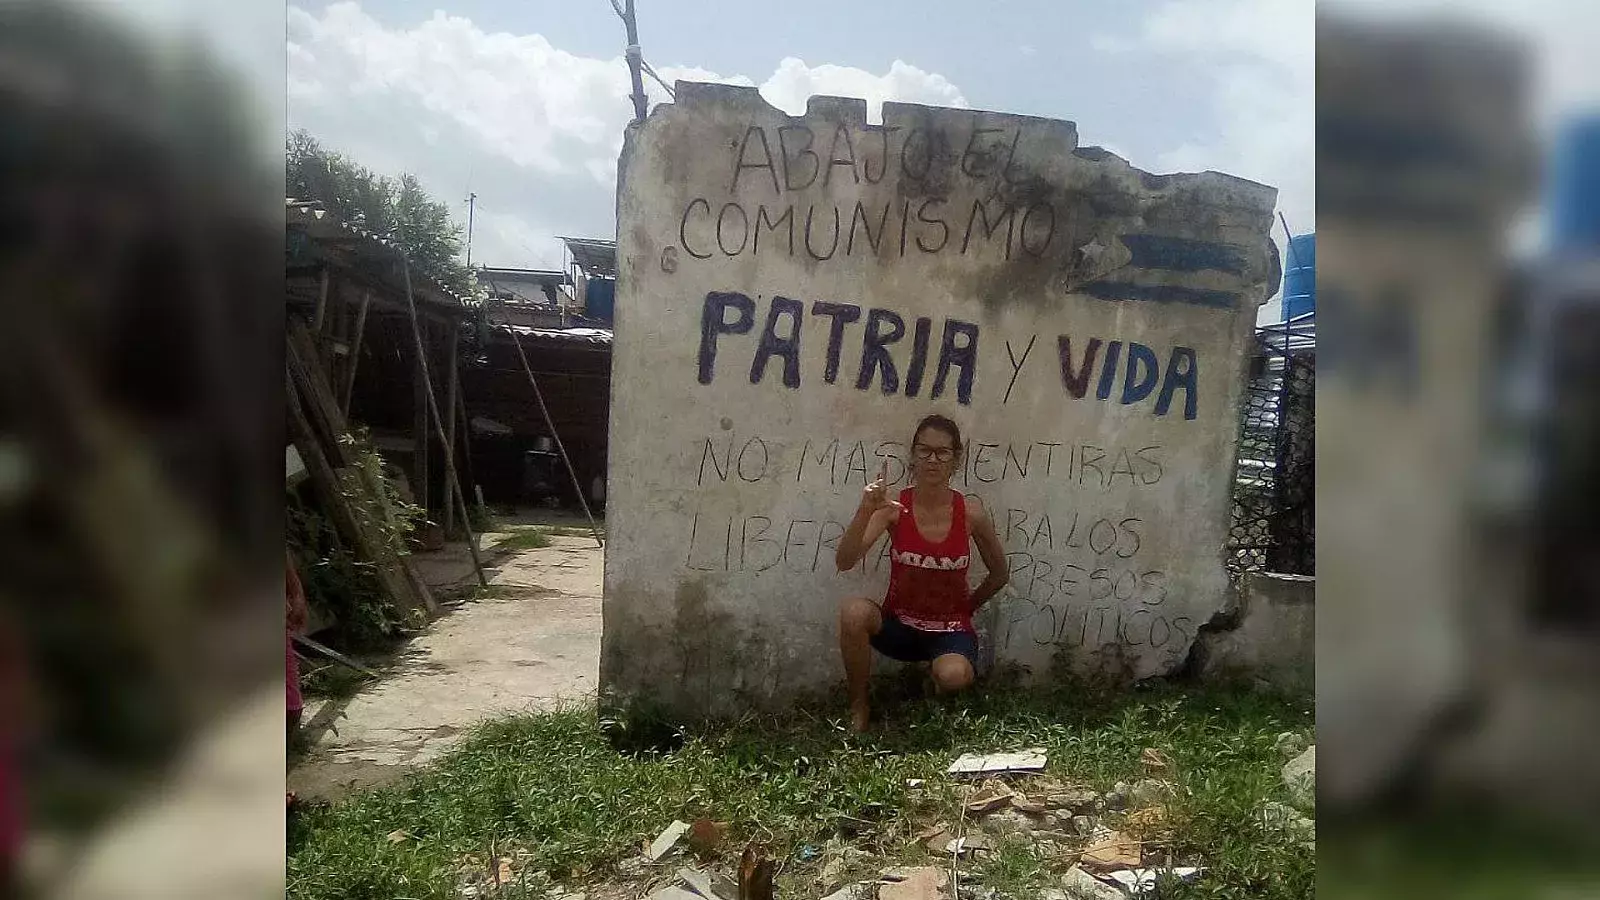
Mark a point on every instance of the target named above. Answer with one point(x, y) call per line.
point(859, 620)
point(952, 672)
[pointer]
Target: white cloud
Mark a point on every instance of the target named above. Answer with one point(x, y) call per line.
point(1257, 58)
point(534, 129)
point(794, 82)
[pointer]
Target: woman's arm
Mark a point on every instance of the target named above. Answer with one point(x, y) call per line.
point(864, 531)
point(992, 551)
point(873, 517)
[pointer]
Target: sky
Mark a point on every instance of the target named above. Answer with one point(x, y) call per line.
point(524, 102)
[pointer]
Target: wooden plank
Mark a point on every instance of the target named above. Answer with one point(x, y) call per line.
point(452, 481)
point(334, 655)
point(330, 492)
point(594, 529)
point(322, 301)
point(466, 445)
point(305, 368)
point(355, 353)
point(419, 428)
point(451, 377)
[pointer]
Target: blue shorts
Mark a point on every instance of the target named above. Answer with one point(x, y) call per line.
point(900, 641)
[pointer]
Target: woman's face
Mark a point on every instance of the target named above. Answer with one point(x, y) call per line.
point(933, 457)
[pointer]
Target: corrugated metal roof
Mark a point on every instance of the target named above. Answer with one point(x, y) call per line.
point(322, 224)
point(594, 256)
point(600, 337)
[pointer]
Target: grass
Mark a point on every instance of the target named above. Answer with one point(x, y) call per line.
point(579, 531)
point(556, 788)
point(527, 538)
point(537, 537)
point(331, 681)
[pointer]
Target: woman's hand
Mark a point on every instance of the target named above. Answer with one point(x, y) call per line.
point(876, 495)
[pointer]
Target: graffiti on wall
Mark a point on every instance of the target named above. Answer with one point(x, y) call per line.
point(1122, 372)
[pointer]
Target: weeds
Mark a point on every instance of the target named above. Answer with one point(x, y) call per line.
point(556, 788)
point(525, 539)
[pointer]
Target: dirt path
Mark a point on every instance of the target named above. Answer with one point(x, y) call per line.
point(533, 644)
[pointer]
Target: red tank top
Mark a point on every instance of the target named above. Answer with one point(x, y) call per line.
point(927, 580)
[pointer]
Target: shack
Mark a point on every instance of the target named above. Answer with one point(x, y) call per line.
point(347, 288)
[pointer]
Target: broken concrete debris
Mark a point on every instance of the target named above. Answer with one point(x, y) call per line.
point(1149, 791)
point(921, 883)
point(1289, 745)
point(1281, 816)
point(1300, 777)
point(709, 886)
point(1032, 760)
point(666, 840)
point(989, 798)
point(673, 892)
point(1140, 882)
point(968, 845)
point(1081, 885)
point(1117, 797)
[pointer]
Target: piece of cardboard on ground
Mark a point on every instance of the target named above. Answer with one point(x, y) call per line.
point(1032, 760)
point(1117, 851)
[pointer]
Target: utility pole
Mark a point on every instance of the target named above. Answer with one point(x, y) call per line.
point(635, 57)
point(472, 202)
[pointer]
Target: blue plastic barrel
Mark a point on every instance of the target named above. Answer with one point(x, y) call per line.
point(1300, 276)
point(1574, 185)
point(600, 297)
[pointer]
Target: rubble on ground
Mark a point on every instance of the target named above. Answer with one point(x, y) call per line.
point(1300, 777)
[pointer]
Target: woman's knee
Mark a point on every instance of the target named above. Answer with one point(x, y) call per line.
point(952, 672)
point(859, 614)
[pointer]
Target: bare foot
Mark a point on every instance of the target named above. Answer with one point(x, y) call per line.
point(860, 715)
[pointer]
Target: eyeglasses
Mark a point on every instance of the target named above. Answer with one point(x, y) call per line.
point(925, 453)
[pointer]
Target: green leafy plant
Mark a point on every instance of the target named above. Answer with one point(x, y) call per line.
point(374, 497)
point(339, 585)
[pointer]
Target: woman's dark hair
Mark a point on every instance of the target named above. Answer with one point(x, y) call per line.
point(940, 423)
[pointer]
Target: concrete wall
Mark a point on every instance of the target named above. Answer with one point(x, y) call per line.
point(795, 293)
point(1271, 634)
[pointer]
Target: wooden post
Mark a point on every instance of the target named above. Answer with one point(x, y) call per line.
point(322, 301)
point(450, 419)
point(355, 351)
point(419, 424)
point(453, 482)
point(466, 444)
point(324, 477)
point(594, 529)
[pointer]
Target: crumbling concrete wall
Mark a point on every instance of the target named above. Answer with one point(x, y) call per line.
point(1268, 633)
point(796, 292)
